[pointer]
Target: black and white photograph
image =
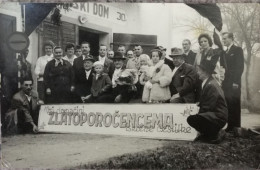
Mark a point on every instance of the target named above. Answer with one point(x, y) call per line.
point(130, 84)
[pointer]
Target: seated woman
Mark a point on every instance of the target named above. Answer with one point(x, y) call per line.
point(160, 79)
point(101, 85)
point(213, 112)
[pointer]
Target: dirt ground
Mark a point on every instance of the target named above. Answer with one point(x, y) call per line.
point(76, 150)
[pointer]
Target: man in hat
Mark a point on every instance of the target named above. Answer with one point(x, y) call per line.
point(122, 89)
point(232, 82)
point(58, 79)
point(108, 63)
point(166, 60)
point(213, 112)
point(184, 78)
point(189, 55)
point(83, 80)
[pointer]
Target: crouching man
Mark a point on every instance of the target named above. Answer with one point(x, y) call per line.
point(213, 112)
point(23, 114)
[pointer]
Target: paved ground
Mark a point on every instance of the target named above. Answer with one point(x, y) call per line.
point(70, 150)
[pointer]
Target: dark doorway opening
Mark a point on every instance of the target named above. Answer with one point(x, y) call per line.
point(92, 38)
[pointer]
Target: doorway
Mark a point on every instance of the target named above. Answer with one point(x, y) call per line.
point(92, 38)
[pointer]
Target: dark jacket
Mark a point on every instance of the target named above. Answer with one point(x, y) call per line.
point(78, 67)
point(235, 67)
point(212, 103)
point(169, 63)
point(82, 84)
point(108, 66)
point(183, 82)
point(190, 58)
point(102, 85)
point(59, 79)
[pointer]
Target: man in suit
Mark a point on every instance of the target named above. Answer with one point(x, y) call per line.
point(184, 78)
point(213, 112)
point(59, 79)
point(83, 80)
point(24, 110)
point(78, 62)
point(189, 55)
point(108, 64)
point(232, 82)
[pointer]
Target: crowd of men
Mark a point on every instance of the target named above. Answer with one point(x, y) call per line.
point(210, 77)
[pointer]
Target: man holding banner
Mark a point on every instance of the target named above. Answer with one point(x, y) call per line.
point(213, 112)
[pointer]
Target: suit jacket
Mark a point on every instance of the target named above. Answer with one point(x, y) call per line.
point(82, 84)
point(21, 102)
point(108, 66)
point(190, 58)
point(59, 78)
point(183, 82)
point(78, 67)
point(212, 103)
point(235, 67)
point(101, 85)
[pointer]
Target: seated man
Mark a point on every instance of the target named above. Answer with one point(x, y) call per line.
point(213, 112)
point(123, 81)
point(24, 110)
point(184, 78)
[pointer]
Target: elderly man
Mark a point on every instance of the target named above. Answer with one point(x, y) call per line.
point(189, 55)
point(108, 64)
point(184, 78)
point(122, 89)
point(232, 82)
point(213, 112)
point(83, 81)
point(24, 110)
point(59, 79)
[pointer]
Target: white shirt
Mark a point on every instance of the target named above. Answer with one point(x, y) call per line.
point(87, 73)
point(28, 97)
point(102, 59)
point(175, 69)
point(40, 65)
point(203, 83)
point(228, 48)
point(115, 76)
point(70, 59)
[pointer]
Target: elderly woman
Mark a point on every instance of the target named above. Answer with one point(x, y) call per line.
point(209, 54)
point(158, 85)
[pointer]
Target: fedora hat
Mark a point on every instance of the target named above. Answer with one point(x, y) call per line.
point(89, 58)
point(176, 52)
point(118, 56)
point(207, 66)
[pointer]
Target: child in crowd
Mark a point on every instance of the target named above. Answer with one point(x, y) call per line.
point(101, 85)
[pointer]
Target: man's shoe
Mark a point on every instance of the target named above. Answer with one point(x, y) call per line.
point(219, 138)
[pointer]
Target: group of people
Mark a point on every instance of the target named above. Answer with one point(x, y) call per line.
point(211, 77)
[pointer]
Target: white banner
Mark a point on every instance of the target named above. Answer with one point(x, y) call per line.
point(159, 121)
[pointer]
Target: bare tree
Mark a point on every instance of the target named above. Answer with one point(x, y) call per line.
point(244, 21)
